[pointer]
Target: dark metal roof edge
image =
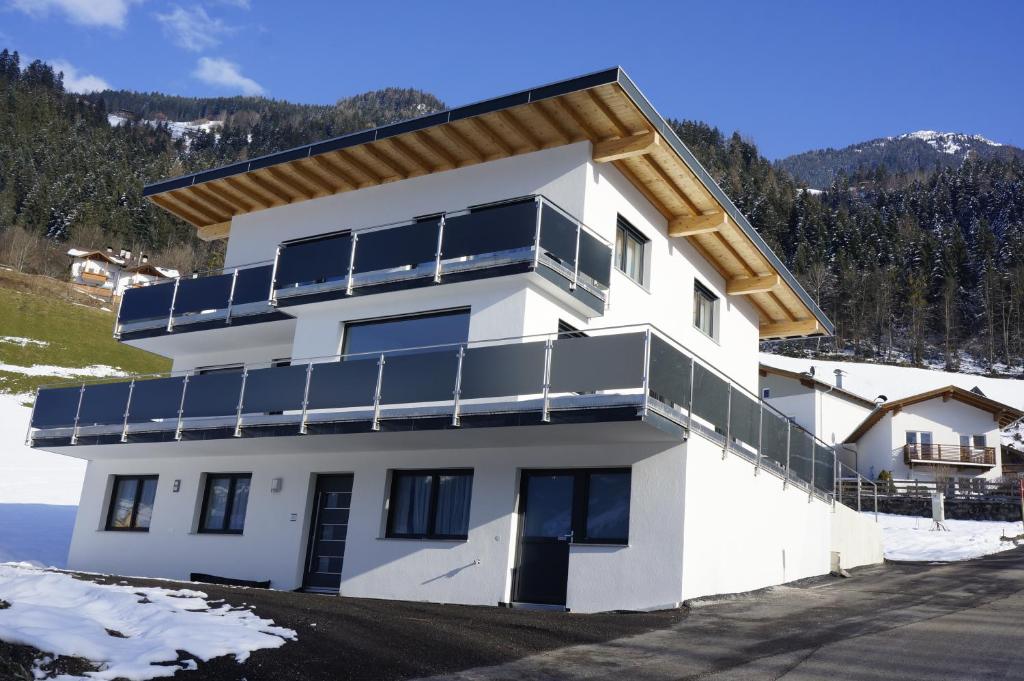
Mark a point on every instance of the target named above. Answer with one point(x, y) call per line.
point(558, 88)
point(677, 144)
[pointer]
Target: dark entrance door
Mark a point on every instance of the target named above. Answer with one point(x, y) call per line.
point(326, 551)
point(545, 532)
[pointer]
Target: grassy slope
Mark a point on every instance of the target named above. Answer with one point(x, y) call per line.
point(78, 331)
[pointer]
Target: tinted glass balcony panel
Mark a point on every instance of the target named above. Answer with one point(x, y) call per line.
point(597, 363)
point(212, 394)
point(338, 385)
point(824, 467)
point(405, 246)
point(203, 293)
point(423, 377)
point(801, 449)
point(670, 374)
point(275, 389)
point(710, 397)
point(253, 285)
point(104, 403)
point(146, 302)
point(156, 398)
point(503, 370)
point(558, 235)
point(774, 436)
point(493, 229)
point(315, 261)
point(595, 259)
point(744, 419)
point(56, 407)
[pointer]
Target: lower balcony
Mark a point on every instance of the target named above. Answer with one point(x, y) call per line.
point(629, 374)
point(949, 455)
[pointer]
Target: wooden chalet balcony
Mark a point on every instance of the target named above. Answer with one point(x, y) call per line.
point(953, 455)
point(94, 278)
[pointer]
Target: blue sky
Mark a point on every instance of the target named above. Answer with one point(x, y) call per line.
point(791, 75)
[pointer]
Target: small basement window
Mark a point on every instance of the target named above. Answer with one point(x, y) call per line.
point(224, 503)
point(429, 504)
point(705, 310)
point(630, 250)
point(131, 504)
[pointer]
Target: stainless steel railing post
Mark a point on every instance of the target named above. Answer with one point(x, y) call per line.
point(536, 233)
point(689, 407)
point(231, 297)
point(457, 391)
point(31, 418)
point(127, 411)
point(858, 491)
point(241, 402)
point(174, 299)
point(305, 399)
point(646, 380)
point(789, 437)
point(576, 259)
point(181, 408)
point(760, 436)
point(117, 317)
point(440, 246)
point(377, 394)
point(728, 420)
point(272, 294)
point(349, 283)
point(544, 415)
point(78, 411)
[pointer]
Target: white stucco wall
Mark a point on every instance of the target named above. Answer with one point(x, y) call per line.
point(830, 416)
point(857, 537)
point(877, 448)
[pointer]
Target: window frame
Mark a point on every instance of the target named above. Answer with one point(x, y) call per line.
point(347, 326)
point(625, 228)
point(584, 481)
point(435, 485)
point(700, 290)
point(228, 507)
point(133, 527)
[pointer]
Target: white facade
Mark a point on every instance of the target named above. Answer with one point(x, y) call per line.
point(881, 447)
point(831, 415)
point(91, 268)
point(685, 537)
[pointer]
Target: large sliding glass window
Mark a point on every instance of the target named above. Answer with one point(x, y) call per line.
point(224, 503)
point(131, 504)
point(409, 331)
point(430, 504)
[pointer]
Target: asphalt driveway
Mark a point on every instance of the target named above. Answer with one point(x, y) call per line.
point(898, 621)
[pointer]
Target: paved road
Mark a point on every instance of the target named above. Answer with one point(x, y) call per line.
point(913, 622)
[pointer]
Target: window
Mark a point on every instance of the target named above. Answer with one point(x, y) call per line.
point(410, 331)
point(919, 437)
point(224, 503)
point(567, 330)
point(630, 250)
point(429, 504)
point(220, 369)
point(607, 496)
point(131, 504)
point(766, 393)
point(976, 441)
point(705, 308)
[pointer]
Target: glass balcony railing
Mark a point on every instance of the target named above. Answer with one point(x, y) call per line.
point(519, 235)
point(528, 233)
point(610, 374)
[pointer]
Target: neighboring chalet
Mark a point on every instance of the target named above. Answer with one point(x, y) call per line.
point(109, 275)
point(949, 431)
point(501, 354)
point(826, 409)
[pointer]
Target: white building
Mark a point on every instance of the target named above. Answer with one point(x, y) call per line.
point(143, 274)
point(826, 409)
point(506, 353)
point(948, 431)
point(95, 269)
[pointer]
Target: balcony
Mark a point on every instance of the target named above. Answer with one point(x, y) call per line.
point(529, 234)
point(949, 455)
point(627, 374)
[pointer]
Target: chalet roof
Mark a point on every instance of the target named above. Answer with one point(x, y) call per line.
point(94, 255)
point(604, 108)
point(1003, 414)
point(810, 381)
point(153, 271)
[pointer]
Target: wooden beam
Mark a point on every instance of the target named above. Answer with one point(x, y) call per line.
point(248, 187)
point(609, 114)
point(626, 147)
point(314, 178)
point(690, 225)
point(554, 124)
point(335, 171)
point(492, 136)
point(221, 230)
point(268, 187)
point(288, 182)
point(227, 194)
point(511, 121)
point(803, 327)
point(360, 167)
point(569, 111)
point(453, 134)
point(380, 157)
point(204, 194)
point(437, 150)
point(744, 286)
point(671, 183)
point(167, 202)
point(197, 207)
point(408, 152)
point(644, 189)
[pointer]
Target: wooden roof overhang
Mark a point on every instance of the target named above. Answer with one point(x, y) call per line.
point(1002, 414)
point(604, 108)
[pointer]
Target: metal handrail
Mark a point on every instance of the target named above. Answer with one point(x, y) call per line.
point(860, 481)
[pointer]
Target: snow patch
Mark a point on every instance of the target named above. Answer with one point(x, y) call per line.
point(947, 142)
point(178, 129)
point(23, 342)
point(58, 614)
point(911, 538)
point(91, 371)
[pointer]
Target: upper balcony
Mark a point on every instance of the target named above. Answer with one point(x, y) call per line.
point(523, 235)
point(634, 379)
point(949, 455)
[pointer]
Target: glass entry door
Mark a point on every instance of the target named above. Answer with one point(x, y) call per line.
point(328, 529)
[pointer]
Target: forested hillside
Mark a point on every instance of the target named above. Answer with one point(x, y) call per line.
point(917, 265)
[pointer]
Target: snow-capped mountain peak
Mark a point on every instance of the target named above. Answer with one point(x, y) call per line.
point(947, 142)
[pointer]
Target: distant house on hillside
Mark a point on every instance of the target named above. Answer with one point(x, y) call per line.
point(826, 409)
point(952, 430)
point(107, 274)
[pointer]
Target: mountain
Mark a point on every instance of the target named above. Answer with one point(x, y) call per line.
point(924, 151)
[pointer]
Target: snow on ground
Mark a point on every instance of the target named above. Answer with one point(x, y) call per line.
point(91, 371)
point(23, 342)
point(39, 493)
point(911, 538)
point(55, 613)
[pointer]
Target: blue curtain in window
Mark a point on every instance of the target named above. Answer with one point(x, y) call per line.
point(412, 504)
point(453, 494)
point(241, 500)
point(145, 512)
